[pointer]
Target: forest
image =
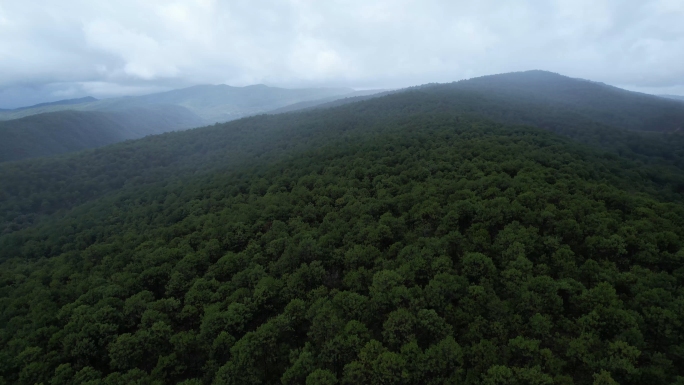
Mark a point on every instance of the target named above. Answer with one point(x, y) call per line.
point(54, 133)
point(432, 236)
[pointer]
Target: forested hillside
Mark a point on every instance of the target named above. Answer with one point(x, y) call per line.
point(404, 239)
point(61, 132)
point(42, 187)
point(597, 101)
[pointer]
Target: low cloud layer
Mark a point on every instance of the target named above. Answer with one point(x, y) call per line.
point(53, 50)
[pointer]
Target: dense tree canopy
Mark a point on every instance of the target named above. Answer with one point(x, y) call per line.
point(444, 250)
point(399, 240)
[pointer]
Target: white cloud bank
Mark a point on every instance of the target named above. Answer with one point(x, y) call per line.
point(51, 49)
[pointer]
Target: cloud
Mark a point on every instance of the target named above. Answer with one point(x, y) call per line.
point(143, 56)
point(55, 48)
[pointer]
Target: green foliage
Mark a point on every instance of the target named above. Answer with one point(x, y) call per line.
point(428, 249)
point(34, 189)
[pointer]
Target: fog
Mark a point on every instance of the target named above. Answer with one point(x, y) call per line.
point(56, 50)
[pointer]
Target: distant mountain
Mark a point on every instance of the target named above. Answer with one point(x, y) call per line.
point(675, 97)
point(65, 102)
point(221, 103)
point(596, 101)
point(212, 103)
point(241, 142)
point(60, 132)
point(47, 129)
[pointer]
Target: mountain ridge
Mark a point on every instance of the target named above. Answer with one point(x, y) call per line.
point(213, 103)
point(593, 100)
point(206, 103)
point(86, 99)
point(60, 132)
point(256, 138)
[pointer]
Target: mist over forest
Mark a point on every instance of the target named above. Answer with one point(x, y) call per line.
point(214, 193)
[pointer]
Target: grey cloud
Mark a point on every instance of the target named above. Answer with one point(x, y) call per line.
point(52, 49)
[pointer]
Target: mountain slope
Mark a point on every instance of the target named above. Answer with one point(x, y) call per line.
point(401, 243)
point(331, 101)
point(675, 97)
point(213, 103)
point(65, 102)
point(61, 132)
point(41, 108)
point(596, 101)
point(39, 188)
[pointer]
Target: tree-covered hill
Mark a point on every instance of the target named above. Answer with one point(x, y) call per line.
point(61, 132)
point(40, 187)
point(428, 250)
point(221, 103)
point(597, 101)
point(403, 239)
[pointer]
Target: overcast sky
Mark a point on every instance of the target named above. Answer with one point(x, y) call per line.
point(52, 50)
